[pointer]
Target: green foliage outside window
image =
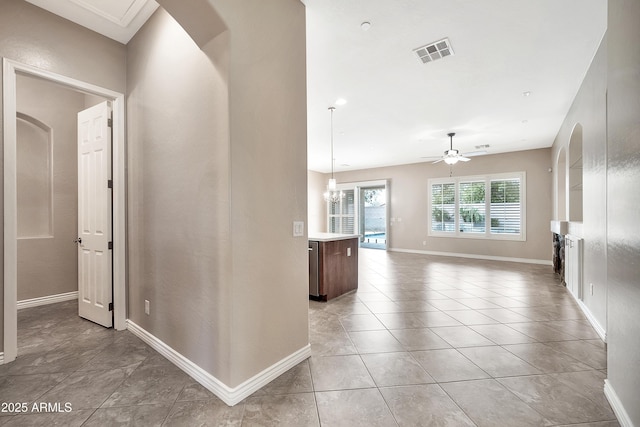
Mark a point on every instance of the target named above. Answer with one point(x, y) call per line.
point(441, 215)
point(471, 215)
point(505, 191)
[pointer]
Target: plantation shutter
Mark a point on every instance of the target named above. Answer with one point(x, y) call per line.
point(472, 211)
point(342, 214)
point(443, 207)
point(348, 212)
point(506, 206)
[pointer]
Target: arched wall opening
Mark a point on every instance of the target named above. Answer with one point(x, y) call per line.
point(575, 174)
point(561, 186)
point(34, 177)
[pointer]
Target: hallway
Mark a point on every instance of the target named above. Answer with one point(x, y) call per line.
point(425, 341)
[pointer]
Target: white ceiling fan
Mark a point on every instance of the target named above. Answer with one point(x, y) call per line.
point(453, 156)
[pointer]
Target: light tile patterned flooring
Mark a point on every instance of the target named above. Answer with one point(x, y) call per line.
point(427, 341)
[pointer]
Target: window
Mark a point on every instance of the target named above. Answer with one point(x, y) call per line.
point(472, 207)
point(485, 207)
point(443, 202)
point(342, 214)
point(506, 210)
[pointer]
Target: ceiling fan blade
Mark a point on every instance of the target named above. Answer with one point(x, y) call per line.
point(463, 159)
point(438, 161)
point(475, 153)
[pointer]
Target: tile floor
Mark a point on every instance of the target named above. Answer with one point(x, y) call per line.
point(427, 341)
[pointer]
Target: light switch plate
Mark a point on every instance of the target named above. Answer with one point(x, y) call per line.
point(298, 228)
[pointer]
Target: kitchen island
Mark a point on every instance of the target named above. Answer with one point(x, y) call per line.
point(333, 265)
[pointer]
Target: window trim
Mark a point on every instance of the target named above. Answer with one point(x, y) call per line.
point(487, 235)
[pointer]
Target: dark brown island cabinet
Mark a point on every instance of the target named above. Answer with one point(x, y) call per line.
point(333, 265)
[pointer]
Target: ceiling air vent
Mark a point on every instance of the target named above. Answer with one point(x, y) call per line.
point(433, 51)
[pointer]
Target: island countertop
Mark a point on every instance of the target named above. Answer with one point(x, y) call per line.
point(330, 237)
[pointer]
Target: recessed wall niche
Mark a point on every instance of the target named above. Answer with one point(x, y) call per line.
point(575, 174)
point(34, 178)
point(561, 186)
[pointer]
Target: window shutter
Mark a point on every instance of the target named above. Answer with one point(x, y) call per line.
point(443, 202)
point(506, 212)
point(348, 212)
point(472, 210)
point(342, 214)
point(479, 207)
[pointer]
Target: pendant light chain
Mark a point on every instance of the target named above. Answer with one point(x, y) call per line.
point(333, 160)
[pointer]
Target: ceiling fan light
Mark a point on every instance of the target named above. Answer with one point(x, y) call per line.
point(451, 160)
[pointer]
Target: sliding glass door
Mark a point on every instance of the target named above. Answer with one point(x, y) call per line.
point(373, 217)
point(363, 211)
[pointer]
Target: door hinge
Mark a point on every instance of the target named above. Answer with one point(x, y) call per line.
point(110, 123)
point(110, 245)
point(110, 183)
point(110, 306)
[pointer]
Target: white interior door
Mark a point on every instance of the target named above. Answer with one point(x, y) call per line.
point(95, 290)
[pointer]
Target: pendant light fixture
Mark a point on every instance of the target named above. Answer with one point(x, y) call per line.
point(332, 194)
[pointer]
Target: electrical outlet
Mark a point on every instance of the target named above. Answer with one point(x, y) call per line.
point(298, 228)
point(591, 288)
point(146, 307)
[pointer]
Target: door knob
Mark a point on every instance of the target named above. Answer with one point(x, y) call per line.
point(78, 240)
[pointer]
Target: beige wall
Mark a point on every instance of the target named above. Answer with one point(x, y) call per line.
point(48, 265)
point(35, 37)
point(408, 195)
point(623, 199)
point(268, 181)
point(588, 111)
point(217, 155)
point(178, 198)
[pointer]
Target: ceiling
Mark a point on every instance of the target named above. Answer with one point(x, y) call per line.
point(116, 19)
point(399, 109)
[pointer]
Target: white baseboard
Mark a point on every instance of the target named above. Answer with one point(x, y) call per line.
point(616, 405)
point(2, 358)
point(591, 318)
point(228, 395)
point(474, 256)
point(51, 299)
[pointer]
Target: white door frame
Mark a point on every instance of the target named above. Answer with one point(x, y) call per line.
point(10, 69)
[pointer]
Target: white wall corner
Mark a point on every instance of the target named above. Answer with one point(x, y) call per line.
point(230, 396)
point(616, 405)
